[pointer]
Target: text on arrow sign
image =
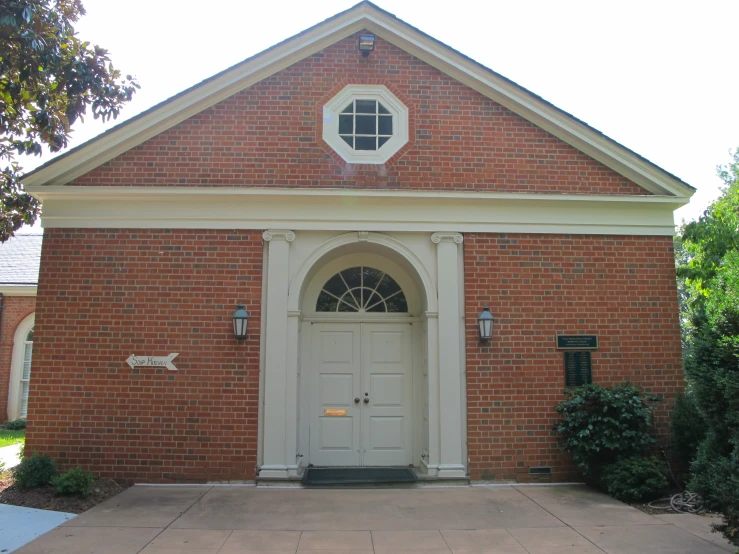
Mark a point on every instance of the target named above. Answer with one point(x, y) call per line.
point(152, 361)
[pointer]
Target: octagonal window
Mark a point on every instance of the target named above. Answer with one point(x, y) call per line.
point(365, 124)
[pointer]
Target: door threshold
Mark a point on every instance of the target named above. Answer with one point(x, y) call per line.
point(340, 476)
point(423, 480)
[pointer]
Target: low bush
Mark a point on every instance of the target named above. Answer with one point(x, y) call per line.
point(75, 482)
point(35, 471)
point(15, 425)
point(687, 430)
point(601, 425)
point(635, 479)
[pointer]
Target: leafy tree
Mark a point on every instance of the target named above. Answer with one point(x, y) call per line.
point(711, 272)
point(705, 242)
point(48, 80)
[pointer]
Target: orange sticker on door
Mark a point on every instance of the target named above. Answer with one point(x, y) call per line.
point(334, 412)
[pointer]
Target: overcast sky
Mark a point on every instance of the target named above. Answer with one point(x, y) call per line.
point(658, 77)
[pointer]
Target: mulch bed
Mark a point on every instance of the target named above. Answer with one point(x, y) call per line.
point(45, 498)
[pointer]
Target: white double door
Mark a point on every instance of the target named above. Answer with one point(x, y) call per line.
point(361, 394)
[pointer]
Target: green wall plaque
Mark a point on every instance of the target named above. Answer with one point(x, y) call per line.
point(577, 342)
point(578, 368)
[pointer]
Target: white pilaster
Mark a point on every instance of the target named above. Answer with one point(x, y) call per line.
point(451, 464)
point(432, 359)
point(292, 397)
point(279, 380)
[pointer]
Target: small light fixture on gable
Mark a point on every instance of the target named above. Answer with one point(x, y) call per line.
point(485, 324)
point(366, 44)
point(240, 321)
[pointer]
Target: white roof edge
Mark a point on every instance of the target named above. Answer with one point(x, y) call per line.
point(18, 290)
point(90, 192)
point(522, 102)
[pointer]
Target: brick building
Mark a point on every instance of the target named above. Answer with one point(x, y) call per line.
point(19, 266)
point(364, 191)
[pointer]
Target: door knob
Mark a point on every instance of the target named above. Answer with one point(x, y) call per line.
point(356, 400)
point(366, 400)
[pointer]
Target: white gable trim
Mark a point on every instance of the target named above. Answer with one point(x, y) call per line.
point(349, 210)
point(363, 16)
point(18, 290)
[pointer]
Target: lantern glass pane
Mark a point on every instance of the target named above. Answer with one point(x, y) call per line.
point(240, 325)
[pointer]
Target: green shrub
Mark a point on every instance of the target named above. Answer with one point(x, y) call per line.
point(15, 425)
point(687, 430)
point(35, 471)
point(715, 475)
point(712, 367)
point(635, 479)
point(600, 425)
point(75, 482)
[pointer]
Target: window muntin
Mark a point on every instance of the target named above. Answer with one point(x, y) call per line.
point(364, 290)
point(365, 124)
point(26, 374)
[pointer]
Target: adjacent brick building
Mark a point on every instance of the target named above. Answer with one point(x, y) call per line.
point(19, 268)
point(363, 209)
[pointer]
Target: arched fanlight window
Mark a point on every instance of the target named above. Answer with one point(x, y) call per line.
point(26, 374)
point(362, 289)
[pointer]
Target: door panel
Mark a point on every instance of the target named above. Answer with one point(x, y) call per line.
point(369, 361)
point(386, 382)
point(335, 351)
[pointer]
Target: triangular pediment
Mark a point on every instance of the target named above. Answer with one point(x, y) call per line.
point(363, 16)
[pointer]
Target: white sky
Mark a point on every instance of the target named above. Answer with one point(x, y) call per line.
point(659, 77)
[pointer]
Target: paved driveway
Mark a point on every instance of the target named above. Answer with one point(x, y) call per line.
point(461, 520)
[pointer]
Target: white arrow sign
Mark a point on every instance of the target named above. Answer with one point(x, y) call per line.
point(156, 361)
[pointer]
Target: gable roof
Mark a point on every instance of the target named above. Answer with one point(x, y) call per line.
point(20, 258)
point(363, 16)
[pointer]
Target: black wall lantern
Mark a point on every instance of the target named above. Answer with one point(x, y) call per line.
point(366, 44)
point(485, 324)
point(240, 319)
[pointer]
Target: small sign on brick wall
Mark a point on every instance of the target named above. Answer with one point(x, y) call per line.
point(135, 360)
point(577, 342)
point(578, 368)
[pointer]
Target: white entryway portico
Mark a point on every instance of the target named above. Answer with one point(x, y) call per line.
point(354, 372)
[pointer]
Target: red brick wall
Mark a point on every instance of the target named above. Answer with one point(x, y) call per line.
point(619, 288)
point(270, 135)
point(105, 294)
point(15, 309)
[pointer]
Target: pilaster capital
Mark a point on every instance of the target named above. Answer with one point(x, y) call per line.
point(278, 234)
point(456, 238)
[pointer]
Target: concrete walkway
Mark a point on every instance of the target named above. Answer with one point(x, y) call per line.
point(19, 526)
point(460, 520)
point(10, 455)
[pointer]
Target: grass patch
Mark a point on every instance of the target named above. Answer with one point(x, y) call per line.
point(11, 437)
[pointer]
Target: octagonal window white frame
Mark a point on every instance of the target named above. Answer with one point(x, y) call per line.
point(381, 94)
